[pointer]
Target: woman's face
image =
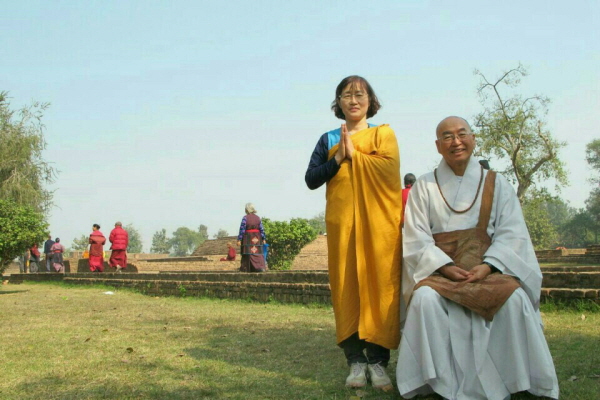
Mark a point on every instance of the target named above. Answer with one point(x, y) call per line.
point(94, 228)
point(354, 102)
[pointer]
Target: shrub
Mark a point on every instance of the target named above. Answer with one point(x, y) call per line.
point(286, 239)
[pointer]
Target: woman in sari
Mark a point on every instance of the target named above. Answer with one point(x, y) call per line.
point(251, 239)
point(97, 240)
point(57, 251)
point(360, 164)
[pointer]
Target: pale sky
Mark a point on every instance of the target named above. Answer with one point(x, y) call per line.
point(168, 114)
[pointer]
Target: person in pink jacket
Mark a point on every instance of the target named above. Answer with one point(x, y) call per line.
point(119, 239)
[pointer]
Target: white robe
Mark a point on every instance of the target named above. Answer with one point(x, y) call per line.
point(447, 348)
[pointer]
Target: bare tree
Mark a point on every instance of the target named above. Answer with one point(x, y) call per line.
point(513, 128)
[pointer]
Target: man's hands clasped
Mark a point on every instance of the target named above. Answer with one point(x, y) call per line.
point(457, 274)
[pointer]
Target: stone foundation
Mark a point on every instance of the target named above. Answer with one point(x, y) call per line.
point(13, 268)
point(257, 291)
point(591, 255)
point(196, 263)
point(305, 288)
point(564, 283)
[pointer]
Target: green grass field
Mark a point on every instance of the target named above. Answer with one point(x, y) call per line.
point(61, 342)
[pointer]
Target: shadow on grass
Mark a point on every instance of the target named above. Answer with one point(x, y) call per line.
point(309, 365)
point(229, 362)
point(12, 291)
point(116, 389)
point(278, 363)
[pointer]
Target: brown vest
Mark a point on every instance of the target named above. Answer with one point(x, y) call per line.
point(466, 248)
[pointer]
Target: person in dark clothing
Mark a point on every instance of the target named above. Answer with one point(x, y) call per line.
point(48, 253)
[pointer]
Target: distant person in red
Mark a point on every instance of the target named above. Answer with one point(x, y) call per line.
point(34, 261)
point(119, 239)
point(97, 240)
point(230, 254)
point(409, 180)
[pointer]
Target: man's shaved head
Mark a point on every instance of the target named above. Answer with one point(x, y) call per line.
point(442, 122)
point(455, 142)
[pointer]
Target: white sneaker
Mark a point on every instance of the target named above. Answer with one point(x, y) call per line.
point(379, 378)
point(358, 375)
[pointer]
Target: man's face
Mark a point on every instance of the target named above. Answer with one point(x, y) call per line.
point(455, 141)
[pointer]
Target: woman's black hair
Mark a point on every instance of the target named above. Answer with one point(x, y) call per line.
point(96, 226)
point(355, 80)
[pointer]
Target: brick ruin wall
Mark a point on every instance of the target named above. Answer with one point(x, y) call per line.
point(567, 286)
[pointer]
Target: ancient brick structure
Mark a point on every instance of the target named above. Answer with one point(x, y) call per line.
point(215, 247)
point(286, 287)
point(564, 283)
point(312, 256)
point(203, 275)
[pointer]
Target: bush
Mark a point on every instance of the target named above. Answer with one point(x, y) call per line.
point(20, 228)
point(286, 239)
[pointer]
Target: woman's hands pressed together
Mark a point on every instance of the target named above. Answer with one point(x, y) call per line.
point(345, 147)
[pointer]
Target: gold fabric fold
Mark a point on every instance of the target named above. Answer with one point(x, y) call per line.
point(467, 248)
point(364, 208)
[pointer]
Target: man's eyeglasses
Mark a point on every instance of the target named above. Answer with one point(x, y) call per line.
point(359, 96)
point(449, 138)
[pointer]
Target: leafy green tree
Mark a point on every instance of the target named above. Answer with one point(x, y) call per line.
point(286, 239)
point(203, 233)
point(513, 129)
point(185, 241)
point(559, 212)
point(222, 233)
point(578, 232)
point(80, 244)
point(318, 223)
point(160, 242)
point(22, 227)
point(543, 233)
point(592, 156)
point(135, 239)
point(592, 205)
point(581, 228)
point(23, 171)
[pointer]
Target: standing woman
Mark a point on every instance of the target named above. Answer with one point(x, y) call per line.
point(97, 240)
point(251, 239)
point(360, 163)
point(57, 250)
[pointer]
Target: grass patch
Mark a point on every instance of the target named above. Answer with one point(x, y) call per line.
point(574, 305)
point(74, 342)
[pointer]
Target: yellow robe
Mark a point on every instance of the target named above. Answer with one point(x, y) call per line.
point(364, 238)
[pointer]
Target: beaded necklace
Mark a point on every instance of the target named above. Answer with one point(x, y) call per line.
point(446, 201)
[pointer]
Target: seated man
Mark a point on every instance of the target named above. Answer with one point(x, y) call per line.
point(472, 284)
